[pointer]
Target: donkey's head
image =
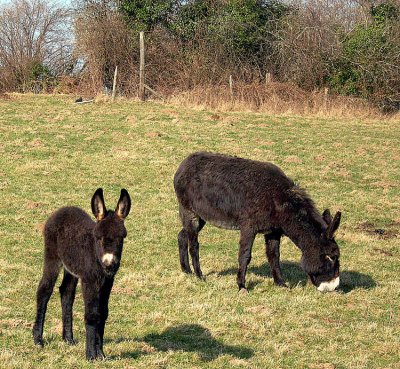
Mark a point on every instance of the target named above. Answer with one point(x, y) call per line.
point(322, 262)
point(110, 231)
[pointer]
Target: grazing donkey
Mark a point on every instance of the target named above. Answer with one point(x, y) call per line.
point(89, 251)
point(254, 197)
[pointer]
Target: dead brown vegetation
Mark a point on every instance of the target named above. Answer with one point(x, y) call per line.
point(275, 98)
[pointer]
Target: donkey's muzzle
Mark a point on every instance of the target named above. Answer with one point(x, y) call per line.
point(110, 263)
point(329, 286)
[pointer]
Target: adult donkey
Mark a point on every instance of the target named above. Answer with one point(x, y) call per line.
point(87, 250)
point(254, 197)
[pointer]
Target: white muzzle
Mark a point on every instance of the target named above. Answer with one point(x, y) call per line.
point(108, 259)
point(329, 286)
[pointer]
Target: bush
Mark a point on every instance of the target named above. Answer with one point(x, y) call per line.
point(369, 64)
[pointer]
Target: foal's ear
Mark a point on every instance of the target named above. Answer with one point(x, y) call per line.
point(326, 215)
point(98, 206)
point(334, 225)
point(124, 204)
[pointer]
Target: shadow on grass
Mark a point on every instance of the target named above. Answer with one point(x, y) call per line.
point(292, 273)
point(295, 276)
point(194, 338)
point(188, 338)
point(350, 280)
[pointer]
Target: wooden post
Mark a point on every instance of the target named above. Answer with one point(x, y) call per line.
point(268, 78)
point(153, 92)
point(141, 68)
point(326, 91)
point(231, 85)
point(114, 83)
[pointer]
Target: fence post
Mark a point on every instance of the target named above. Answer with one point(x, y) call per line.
point(141, 68)
point(268, 78)
point(114, 83)
point(326, 92)
point(231, 85)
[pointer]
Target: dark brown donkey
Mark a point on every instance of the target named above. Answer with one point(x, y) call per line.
point(254, 197)
point(87, 250)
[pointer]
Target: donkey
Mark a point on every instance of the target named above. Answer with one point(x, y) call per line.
point(254, 197)
point(87, 250)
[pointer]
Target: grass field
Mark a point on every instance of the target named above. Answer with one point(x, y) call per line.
point(56, 153)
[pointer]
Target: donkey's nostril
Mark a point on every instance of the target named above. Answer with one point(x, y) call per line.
point(108, 259)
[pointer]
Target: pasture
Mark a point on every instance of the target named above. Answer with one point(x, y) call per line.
point(56, 153)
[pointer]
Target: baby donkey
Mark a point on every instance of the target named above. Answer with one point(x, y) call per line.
point(87, 250)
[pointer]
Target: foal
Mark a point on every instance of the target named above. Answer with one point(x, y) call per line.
point(87, 250)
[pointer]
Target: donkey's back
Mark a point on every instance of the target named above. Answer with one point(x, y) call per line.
point(68, 226)
point(227, 190)
point(68, 238)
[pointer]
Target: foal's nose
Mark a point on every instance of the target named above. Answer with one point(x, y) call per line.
point(108, 259)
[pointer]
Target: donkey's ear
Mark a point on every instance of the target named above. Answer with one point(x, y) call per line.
point(334, 225)
point(326, 215)
point(98, 206)
point(124, 204)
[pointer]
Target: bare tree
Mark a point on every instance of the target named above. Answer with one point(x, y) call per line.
point(104, 41)
point(35, 37)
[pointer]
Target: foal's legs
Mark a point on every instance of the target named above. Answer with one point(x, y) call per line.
point(51, 269)
point(90, 290)
point(246, 243)
point(104, 296)
point(272, 247)
point(67, 292)
point(188, 236)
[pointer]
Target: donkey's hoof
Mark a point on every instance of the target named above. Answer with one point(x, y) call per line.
point(70, 341)
point(90, 356)
point(100, 355)
point(243, 291)
point(38, 342)
point(200, 275)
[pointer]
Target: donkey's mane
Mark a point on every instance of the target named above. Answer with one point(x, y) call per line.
point(303, 204)
point(299, 197)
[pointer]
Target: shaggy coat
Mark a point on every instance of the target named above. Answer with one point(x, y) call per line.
point(87, 250)
point(254, 197)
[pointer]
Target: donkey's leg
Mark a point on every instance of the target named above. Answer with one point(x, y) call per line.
point(91, 296)
point(67, 293)
point(246, 243)
point(195, 226)
point(183, 251)
point(45, 289)
point(194, 251)
point(104, 297)
point(272, 247)
point(192, 225)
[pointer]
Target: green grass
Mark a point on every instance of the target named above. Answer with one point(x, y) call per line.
point(56, 153)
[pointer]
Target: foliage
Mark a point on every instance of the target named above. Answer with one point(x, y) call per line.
point(350, 46)
point(240, 32)
point(144, 15)
point(369, 64)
